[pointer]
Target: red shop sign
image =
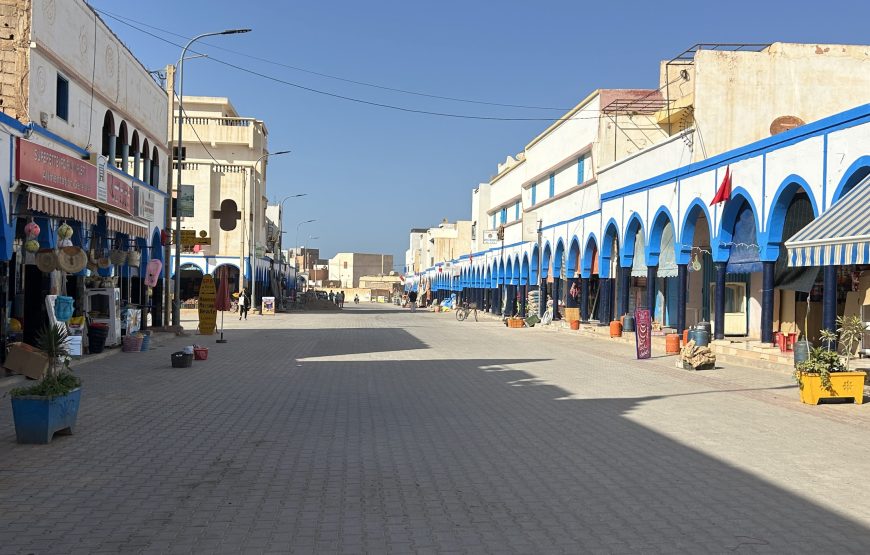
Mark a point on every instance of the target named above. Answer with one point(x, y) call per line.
point(46, 167)
point(119, 192)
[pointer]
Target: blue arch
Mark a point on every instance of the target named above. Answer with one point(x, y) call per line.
point(786, 191)
point(533, 266)
point(7, 232)
point(557, 258)
point(573, 257)
point(687, 230)
point(729, 220)
point(545, 263)
point(654, 246)
point(508, 272)
point(524, 270)
point(605, 253)
point(588, 254)
point(633, 228)
point(515, 274)
point(858, 170)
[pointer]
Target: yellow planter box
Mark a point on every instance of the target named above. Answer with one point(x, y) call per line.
point(843, 386)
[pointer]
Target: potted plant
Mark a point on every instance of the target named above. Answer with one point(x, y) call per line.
point(826, 374)
point(50, 406)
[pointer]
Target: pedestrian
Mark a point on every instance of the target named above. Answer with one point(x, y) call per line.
point(356, 299)
point(340, 299)
point(412, 300)
point(331, 296)
point(244, 304)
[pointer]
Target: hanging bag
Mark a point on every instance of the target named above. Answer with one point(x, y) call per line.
point(63, 308)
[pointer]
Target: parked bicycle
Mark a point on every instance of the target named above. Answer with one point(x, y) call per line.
point(464, 309)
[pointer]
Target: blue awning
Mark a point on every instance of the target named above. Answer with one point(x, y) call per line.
point(840, 236)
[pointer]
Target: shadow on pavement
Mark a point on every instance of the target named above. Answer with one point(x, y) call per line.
point(336, 341)
point(502, 443)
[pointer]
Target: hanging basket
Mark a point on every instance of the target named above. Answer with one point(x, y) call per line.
point(118, 257)
point(133, 258)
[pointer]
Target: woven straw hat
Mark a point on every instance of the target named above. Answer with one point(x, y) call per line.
point(46, 260)
point(72, 260)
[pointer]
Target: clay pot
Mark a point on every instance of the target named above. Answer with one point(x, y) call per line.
point(575, 324)
point(615, 328)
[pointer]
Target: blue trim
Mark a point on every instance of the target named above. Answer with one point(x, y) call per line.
point(655, 235)
point(524, 270)
point(586, 266)
point(843, 120)
point(533, 264)
point(552, 185)
point(545, 260)
point(574, 219)
point(570, 268)
point(825, 173)
point(84, 153)
point(779, 206)
point(763, 185)
point(863, 161)
point(13, 123)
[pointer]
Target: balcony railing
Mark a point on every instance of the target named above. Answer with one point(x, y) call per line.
point(226, 122)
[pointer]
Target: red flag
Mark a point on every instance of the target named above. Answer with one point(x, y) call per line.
point(724, 192)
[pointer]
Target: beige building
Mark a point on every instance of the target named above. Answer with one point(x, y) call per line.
point(446, 241)
point(223, 176)
point(348, 267)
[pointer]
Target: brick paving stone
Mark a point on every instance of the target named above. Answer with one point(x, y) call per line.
point(376, 430)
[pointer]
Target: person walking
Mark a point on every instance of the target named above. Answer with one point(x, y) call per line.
point(244, 304)
point(339, 299)
point(331, 296)
point(412, 300)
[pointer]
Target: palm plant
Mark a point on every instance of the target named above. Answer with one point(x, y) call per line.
point(58, 379)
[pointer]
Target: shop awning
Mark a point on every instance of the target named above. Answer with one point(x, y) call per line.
point(58, 206)
point(840, 236)
point(130, 226)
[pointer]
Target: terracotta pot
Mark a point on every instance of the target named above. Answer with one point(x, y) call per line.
point(575, 324)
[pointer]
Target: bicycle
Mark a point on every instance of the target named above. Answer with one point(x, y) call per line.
point(465, 309)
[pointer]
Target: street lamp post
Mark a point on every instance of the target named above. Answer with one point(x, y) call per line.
point(304, 260)
point(296, 243)
point(176, 304)
point(249, 205)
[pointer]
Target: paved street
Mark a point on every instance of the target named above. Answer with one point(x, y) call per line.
point(377, 430)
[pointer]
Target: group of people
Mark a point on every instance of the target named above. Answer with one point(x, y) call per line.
point(337, 298)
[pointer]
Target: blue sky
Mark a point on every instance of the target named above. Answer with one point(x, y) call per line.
point(372, 173)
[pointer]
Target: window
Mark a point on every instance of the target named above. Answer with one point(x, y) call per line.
point(534, 193)
point(552, 185)
point(345, 265)
point(474, 231)
point(581, 170)
point(493, 221)
point(504, 215)
point(61, 108)
point(517, 211)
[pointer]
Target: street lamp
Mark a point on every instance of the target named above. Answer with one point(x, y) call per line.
point(176, 305)
point(296, 243)
point(246, 202)
point(304, 260)
point(281, 212)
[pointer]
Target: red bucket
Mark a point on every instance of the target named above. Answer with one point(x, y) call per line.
point(200, 353)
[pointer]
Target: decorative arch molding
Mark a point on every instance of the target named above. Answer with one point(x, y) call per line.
point(633, 228)
point(545, 264)
point(589, 255)
point(771, 240)
point(533, 268)
point(687, 230)
point(858, 170)
point(524, 270)
point(721, 243)
point(573, 260)
point(611, 233)
point(661, 219)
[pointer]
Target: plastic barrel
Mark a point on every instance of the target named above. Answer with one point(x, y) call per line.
point(628, 323)
point(702, 338)
point(615, 328)
point(801, 351)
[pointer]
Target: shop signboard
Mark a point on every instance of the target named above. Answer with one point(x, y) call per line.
point(188, 237)
point(48, 168)
point(185, 201)
point(643, 333)
point(490, 237)
point(144, 205)
point(207, 312)
point(268, 307)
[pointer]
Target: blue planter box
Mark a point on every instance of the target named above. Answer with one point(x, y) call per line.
point(37, 419)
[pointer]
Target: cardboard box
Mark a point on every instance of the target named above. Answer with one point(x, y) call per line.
point(24, 359)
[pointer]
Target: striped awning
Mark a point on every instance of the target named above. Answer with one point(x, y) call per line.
point(840, 236)
point(122, 224)
point(57, 206)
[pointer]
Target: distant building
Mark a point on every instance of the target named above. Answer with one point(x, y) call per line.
point(446, 241)
point(348, 267)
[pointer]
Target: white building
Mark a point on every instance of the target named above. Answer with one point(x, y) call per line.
point(87, 127)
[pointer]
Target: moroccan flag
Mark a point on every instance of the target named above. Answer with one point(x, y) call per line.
point(724, 192)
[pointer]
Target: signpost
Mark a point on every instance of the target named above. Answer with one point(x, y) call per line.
point(268, 307)
point(490, 237)
point(643, 333)
point(207, 312)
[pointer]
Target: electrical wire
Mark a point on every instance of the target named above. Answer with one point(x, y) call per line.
point(357, 100)
point(192, 128)
point(334, 77)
